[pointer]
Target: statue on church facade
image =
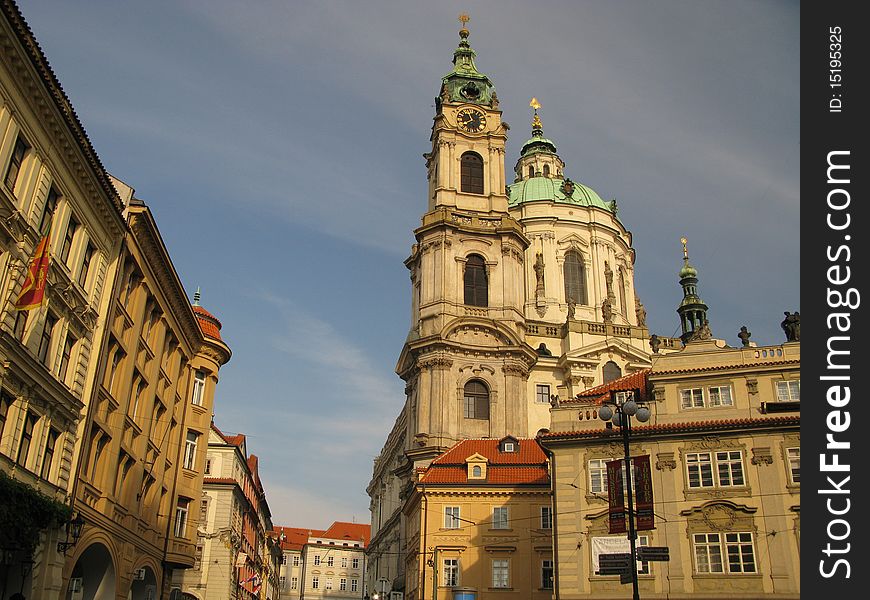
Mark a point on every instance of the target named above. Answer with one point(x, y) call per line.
point(791, 325)
point(607, 310)
point(640, 312)
point(744, 336)
point(655, 343)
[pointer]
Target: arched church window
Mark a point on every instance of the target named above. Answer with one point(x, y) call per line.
point(531, 170)
point(476, 471)
point(471, 173)
point(622, 305)
point(476, 400)
point(476, 293)
point(575, 278)
point(611, 371)
point(546, 170)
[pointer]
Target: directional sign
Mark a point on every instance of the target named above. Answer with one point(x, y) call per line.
point(626, 578)
point(614, 563)
point(653, 553)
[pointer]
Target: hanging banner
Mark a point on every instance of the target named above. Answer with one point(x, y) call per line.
point(643, 493)
point(615, 497)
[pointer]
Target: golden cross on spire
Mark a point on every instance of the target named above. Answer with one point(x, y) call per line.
point(684, 241)
point(535, 104)
point(464, 18)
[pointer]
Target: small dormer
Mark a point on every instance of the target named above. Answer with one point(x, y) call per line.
point(508, 444)
point(476, 467)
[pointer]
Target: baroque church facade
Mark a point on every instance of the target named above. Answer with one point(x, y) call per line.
point(522, 293)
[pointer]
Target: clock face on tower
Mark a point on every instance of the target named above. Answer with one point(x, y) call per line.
point(471, 120)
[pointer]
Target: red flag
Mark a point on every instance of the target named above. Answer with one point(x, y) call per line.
point(615, 496)
point(644, 493)
point(33, 292)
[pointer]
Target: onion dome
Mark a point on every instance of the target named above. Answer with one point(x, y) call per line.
point(208, 323)
point(211, 329)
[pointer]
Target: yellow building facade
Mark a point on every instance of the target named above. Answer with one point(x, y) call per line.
point(141, 456)
point(724, 445)
point(53, 185)
point(479, 522)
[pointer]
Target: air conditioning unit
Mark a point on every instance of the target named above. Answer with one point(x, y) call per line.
point(139, 574)
point(75, 585)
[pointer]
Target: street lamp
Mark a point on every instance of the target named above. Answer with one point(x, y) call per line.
point(74, 531)
point(621, 408)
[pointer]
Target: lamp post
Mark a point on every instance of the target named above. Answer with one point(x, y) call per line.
point(620, 409)
point(74, 531)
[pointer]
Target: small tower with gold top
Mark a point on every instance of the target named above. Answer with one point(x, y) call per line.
point(692, 310)
point(538, 156)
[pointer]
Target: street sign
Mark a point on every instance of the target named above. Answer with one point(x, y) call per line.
point(625, 578)
point(614, 563)
point(653, 553)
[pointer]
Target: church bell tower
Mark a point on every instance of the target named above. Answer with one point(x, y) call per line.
point(465, 361)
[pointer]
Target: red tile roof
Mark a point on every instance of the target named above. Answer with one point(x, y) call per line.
point(636, 380)
point(355, 532)
point(209, 324)
point(690, 426)
point(235, 439)
point(296, 537)
point(499, 475)
point(529, 452)
point(526, 466)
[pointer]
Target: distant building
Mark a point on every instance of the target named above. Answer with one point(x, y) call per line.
point(236, 555)
point(327, 563)
point(480, 520)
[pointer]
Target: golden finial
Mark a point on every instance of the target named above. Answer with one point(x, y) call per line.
point(536, 122)
point(464, 18)
point(684, 241)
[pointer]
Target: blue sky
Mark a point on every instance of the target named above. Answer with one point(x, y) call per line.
point(279, 145)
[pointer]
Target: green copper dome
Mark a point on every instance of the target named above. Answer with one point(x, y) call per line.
point(555, 190)
point(688, 270)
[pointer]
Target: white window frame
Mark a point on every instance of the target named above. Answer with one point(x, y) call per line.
point(354, 563)
point(718, 468)
point(316, 560)
point(542, 398)
point(343, 562)
point(182, 507)
point(354, 584)
point(788, 390)
point(547, 563)
point(451, 517)
point(692, 398)
point(598, 475)
point(501, 574)
point(793, 455)
point(327, 585)
point(451, 572)
point(294, 583)
point(342, 584)
point(500, 517)
point(714, 552)
point(330, 561)
point(190, 444)
point(722, 395)
point(546, 517)
point(198, 392)
point(315, 582)
point(295, 560)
